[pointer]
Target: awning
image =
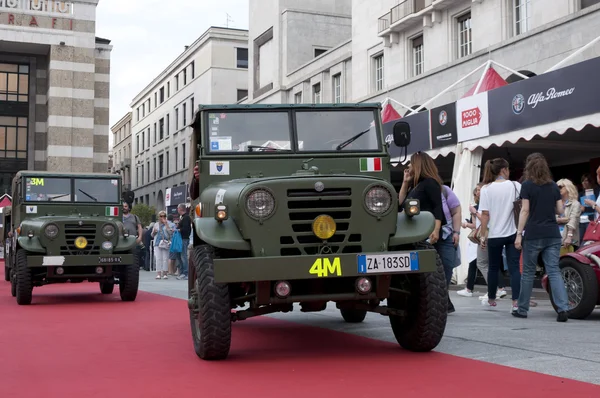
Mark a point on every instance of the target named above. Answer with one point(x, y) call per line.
point(5, 200)
point(389, 114)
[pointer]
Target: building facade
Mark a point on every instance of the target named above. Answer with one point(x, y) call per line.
point(54, 88)
point(121, 150)
point(407, 50)
point(212, 70)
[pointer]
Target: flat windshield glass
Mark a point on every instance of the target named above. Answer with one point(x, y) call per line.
point(96, 190)
point(47, 189)
point(248, 132)
point(333, 131)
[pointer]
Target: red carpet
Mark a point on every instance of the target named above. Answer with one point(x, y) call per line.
point(74, 342)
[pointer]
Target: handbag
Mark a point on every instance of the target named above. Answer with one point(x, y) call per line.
point(176, 243)
point(164, 243)
point(517, 205)
point(592, 232)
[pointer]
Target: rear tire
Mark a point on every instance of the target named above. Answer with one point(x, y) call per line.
point(426, 308)
point(107, 287)
point(129, 280)
point(353, 316)
point(210, 308)
point(24, 283)
point(6, 273)
point(589, 286)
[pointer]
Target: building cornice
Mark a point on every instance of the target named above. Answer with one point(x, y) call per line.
point(122, 122)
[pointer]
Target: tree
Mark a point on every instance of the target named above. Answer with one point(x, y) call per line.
point(144, 212)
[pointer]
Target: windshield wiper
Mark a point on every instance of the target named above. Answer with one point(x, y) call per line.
point(263, 147)
point(351, 140)
point(59, 196)
point(88, 195)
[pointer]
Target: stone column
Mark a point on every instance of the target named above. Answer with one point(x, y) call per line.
point(70, 126)
point(101, 105)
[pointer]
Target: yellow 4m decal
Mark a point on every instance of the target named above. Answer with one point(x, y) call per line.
point(323, 268)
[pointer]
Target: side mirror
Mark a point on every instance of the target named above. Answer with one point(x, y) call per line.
point(402, 134)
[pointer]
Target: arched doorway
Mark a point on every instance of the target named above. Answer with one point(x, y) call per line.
point(160, 201)
point(515, 78)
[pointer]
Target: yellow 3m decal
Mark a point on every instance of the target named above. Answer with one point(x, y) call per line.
point(323, 268)
point(37, 181)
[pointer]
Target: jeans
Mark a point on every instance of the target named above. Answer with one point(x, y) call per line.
point(495, 246)
point(483, 263)
point(550, 250)
point(472, 275)
point(447, 252)
point(183, 257)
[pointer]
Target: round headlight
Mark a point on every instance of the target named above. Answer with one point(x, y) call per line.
point(378, 200)
point(108, 230)
point(51, 231)
point(260, 203)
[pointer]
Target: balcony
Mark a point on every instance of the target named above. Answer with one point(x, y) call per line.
point(406, 14)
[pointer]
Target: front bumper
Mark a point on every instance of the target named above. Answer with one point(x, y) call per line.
point(255, 269)
point(75, 261)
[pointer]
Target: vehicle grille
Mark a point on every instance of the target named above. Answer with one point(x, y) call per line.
point(304, 205)
point(72, 232)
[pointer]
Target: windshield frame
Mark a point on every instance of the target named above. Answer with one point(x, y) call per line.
point(293, 131)
point(72, 191)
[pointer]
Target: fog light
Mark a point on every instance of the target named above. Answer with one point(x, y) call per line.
point(221, 212)
point(282, 289)
point(412, 207)
point(107, 245)
point(324, 227)
point(60, 271)
point(99, 270)
point(363, 285)
point(30, 234)
point(81, 242)
point(126, 234)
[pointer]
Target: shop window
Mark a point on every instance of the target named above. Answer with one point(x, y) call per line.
point(14, 82)
point(13, 137)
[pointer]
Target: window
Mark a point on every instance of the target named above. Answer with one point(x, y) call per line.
point(298, 98)
point(241, 94)
point(184, 111)
point(417, 54)
point(176, 159)
point(142, 180)
point(154, 164)
point(183, 154)
point(155, 140)
point(160, 165)
point(192, 108)
point(176, 120)
point(148, 139)
point(168, 124)
point(143, 139)
point(144, 109)
point(263, 63)
point(522, 15)
point(242, 58)
point(177, 82)
point(589, 3)
point(337, 88)
point(464, 35)
point(148, 170)
point(161, 129)
point(162, 95)
point(319, 52)
point(167, 164)
point(317, 93)
point(137, 176)
point(137, 143)
point(193, 69)
point(14, 82)
point(184, 76)
point(378, 72)
point(168, 89)
point(138, 114)
point(13, 137)
point(155, 100)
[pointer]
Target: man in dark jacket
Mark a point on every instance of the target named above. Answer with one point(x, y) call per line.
point(185, 229)
point(194, 185)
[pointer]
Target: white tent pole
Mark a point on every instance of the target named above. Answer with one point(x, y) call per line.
point(576, 53)
point(446, 90)
point(487, 67)
point(510, 70)
point(399, 103)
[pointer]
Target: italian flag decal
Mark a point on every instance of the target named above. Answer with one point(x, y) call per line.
point(370, 164)
point(112, 211)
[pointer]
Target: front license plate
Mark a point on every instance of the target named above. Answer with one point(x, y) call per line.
point(110, 260)
point(388, 262)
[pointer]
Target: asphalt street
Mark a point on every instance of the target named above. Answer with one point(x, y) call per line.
point(538, 343)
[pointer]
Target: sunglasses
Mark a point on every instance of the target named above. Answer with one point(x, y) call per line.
point(560, 186)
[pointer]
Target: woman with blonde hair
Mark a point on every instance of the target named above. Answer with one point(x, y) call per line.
point(162, 233)
point(569, 222)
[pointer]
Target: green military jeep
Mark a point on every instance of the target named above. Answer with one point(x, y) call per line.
point(66, 227)
point(6, 213)
point(296, 206)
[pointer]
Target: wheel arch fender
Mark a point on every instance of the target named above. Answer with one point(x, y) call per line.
point(223, 235)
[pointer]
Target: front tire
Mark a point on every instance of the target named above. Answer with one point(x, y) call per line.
point(582, 288)
point(24, 282)
point(210, 308)
point(353, 316)
point(129, 280)
point(426, 307)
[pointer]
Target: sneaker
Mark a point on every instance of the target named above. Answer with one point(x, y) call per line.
point(484, 297)
point(182, 278)
point(465, 293)
point(514, 308)
point(486, 303)
point(517, 314)
point(562, 317)
point(501, 293)
point(157, 276)
point(165, 277)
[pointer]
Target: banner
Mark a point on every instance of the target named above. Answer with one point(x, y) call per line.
point(419, 134)
point(472, 117)
point(443, 126)
point(566, 93)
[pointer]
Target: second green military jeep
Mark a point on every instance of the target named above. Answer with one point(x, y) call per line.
point(296, 206)
point(66, 227)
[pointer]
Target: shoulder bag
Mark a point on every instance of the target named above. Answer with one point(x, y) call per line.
point(517, 204)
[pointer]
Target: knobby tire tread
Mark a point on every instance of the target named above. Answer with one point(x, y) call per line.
point(129, 280)
point(24, 285)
